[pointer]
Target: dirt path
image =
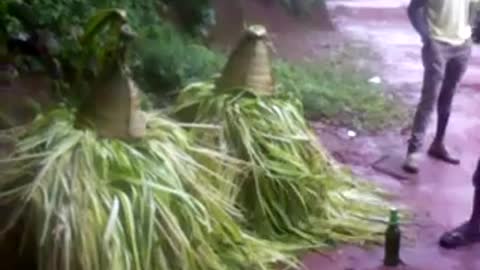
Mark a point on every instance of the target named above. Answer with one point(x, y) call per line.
point(441, 194)
point(294, 38)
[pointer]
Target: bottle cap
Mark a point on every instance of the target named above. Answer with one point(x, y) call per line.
point(394, 216)
point(258, 31)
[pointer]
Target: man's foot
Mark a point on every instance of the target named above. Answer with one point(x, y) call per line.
point(462, 236)
point(438, 151)
point(411, 163)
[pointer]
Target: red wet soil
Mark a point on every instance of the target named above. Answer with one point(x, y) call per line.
point(293, 38)
point(440, 195)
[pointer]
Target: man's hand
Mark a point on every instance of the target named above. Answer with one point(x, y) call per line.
point(418, 18)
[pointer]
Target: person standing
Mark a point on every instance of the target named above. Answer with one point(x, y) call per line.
point(445, 29)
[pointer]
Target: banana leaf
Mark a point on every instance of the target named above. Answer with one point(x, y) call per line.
point(100, 21)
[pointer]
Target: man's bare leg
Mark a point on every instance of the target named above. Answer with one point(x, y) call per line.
point(475, 219)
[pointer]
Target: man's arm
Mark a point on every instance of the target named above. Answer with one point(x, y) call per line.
point(418, 18)
point(475, 21)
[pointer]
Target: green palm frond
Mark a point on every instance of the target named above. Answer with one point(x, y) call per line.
point(149, 204)
point(293, 189)
point(100, 20)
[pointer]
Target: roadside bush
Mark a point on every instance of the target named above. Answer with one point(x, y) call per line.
point(166, 60)
point(300, 7)
point(195, 15)
point(339, 94)
point(336, 92)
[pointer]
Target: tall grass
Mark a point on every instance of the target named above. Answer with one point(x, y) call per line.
point(339, 94)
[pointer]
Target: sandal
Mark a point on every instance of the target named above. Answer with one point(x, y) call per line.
point(460, 237)
point(443, 155)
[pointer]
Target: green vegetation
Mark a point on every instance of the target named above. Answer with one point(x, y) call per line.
point(96, 203)
point(104, 185)
point(293, 191)
point(340, 94)
point(164, 60)
point(301, 7)
point(333, 90)
point(96, 198)
point(195, 15)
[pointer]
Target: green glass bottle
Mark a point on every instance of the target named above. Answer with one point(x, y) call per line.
point(393, 236)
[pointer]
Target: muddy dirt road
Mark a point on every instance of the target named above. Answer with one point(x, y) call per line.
point(440, 194)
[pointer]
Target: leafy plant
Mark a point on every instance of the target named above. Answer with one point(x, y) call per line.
point(300, 7)
point(99, 51)
point(292, 190)
point(63, 15)
point(338, 94)
point(108, 204)
point(329, 89)
point(156, 201)
point(195, 15)
point(168, 60)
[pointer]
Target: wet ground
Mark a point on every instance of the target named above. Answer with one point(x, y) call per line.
point(440, 195)
point(293, 38)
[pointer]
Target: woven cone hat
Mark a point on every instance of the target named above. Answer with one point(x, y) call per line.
point(249, 65)
point(113, 109)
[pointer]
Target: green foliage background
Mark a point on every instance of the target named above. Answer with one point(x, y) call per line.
point(165, 59)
